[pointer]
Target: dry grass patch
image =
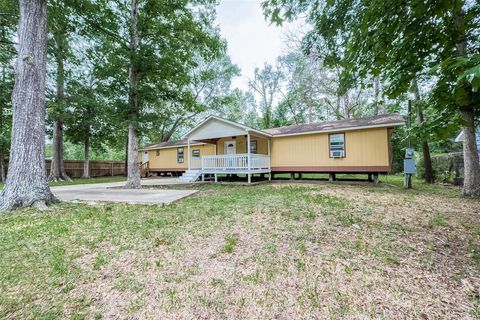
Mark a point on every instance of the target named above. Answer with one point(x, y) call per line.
point(283, 250)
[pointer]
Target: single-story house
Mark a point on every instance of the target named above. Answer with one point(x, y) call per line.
point(219, 146)
point(460, 137)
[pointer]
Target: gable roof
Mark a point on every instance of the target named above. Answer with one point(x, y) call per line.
point(226, 122)
point(461, 137)
point(380, 121)
point(384, 120)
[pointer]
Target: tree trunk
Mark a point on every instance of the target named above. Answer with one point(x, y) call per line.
point(86, 154)
point(379, 109)
point(57, 167)
point(427, 159)
point(126, 157)
point(338, 112)
point(346, 106)
point(471, 184)
point(26, 180)
point(2, 164)
point(133, 176)
point(2, 102)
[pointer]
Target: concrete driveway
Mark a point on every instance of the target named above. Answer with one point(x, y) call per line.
point(110, 192)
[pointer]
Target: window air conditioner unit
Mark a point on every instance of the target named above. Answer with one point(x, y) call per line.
point(336, 154)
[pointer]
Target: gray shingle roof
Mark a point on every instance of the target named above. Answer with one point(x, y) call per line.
point(346, 124)
point(182, 142)
point(380, 120)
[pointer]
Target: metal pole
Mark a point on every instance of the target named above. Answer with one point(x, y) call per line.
point(407, 181)
point(188, 157)
point(248, 157)
point(409, 124)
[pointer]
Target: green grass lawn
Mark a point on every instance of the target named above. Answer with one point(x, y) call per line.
point(279, 250)
point(83, 181)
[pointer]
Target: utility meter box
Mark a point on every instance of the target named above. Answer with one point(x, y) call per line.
point(409, 166)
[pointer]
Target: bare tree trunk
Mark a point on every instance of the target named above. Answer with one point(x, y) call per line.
point(26, 180)
point(57, 167)
point(126, 157)
point(346, 106)
point(471, 185)
point(86, 153)
point(427, 159)
point(376, 85)
point(133, 176)
point(2, 164)
point(338, 113)
point(2, 158)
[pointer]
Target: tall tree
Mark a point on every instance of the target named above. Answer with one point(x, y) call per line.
point(133, 171)
point(265, 83)
point(26, 181)
point(60, 26)
point(402, 40)
point(90, 120)
point(211, 81)
point(8, 22)
point(241, 107)
point(210, 86)
point(153, 51)
point(4, 127)
point(427, 159)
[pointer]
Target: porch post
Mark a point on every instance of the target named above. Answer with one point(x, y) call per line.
point(269, 161)
point(248, 157)
point(188, 157)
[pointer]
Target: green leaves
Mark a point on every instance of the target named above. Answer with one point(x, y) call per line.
point(472, 76)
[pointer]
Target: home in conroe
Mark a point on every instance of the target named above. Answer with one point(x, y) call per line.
point(219, 146)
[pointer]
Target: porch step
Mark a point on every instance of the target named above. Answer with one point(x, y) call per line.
point(190, 175)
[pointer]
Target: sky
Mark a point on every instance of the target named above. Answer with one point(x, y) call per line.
point(252, 41)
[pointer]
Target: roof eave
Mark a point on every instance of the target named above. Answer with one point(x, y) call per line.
point(172, 146)
point(396, 124)
point(185, 136)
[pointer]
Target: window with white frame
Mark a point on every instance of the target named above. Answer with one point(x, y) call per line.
point(337, 145)
point(253, 146)
point(179, 155)
point(196, 153)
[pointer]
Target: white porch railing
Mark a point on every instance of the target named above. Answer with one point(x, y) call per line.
point(196, 163)
point(236, 162)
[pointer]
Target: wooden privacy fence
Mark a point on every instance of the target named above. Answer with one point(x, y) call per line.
point(74, 168)
point(448, 165)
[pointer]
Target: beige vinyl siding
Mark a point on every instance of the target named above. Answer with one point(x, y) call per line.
point(262, 144)
point(168, 156)
point(368, 147)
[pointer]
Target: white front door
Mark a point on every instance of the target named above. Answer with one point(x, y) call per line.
point(231, 147)
point(145, 157)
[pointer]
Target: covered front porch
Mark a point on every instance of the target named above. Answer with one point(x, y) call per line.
point(238, 150)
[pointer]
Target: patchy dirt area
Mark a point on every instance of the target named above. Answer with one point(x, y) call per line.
point(282, 250)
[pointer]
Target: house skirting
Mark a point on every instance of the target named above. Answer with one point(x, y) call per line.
point(340, 169)
point(167, 170)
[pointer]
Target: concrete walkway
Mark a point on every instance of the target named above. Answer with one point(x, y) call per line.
point(110, 192)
